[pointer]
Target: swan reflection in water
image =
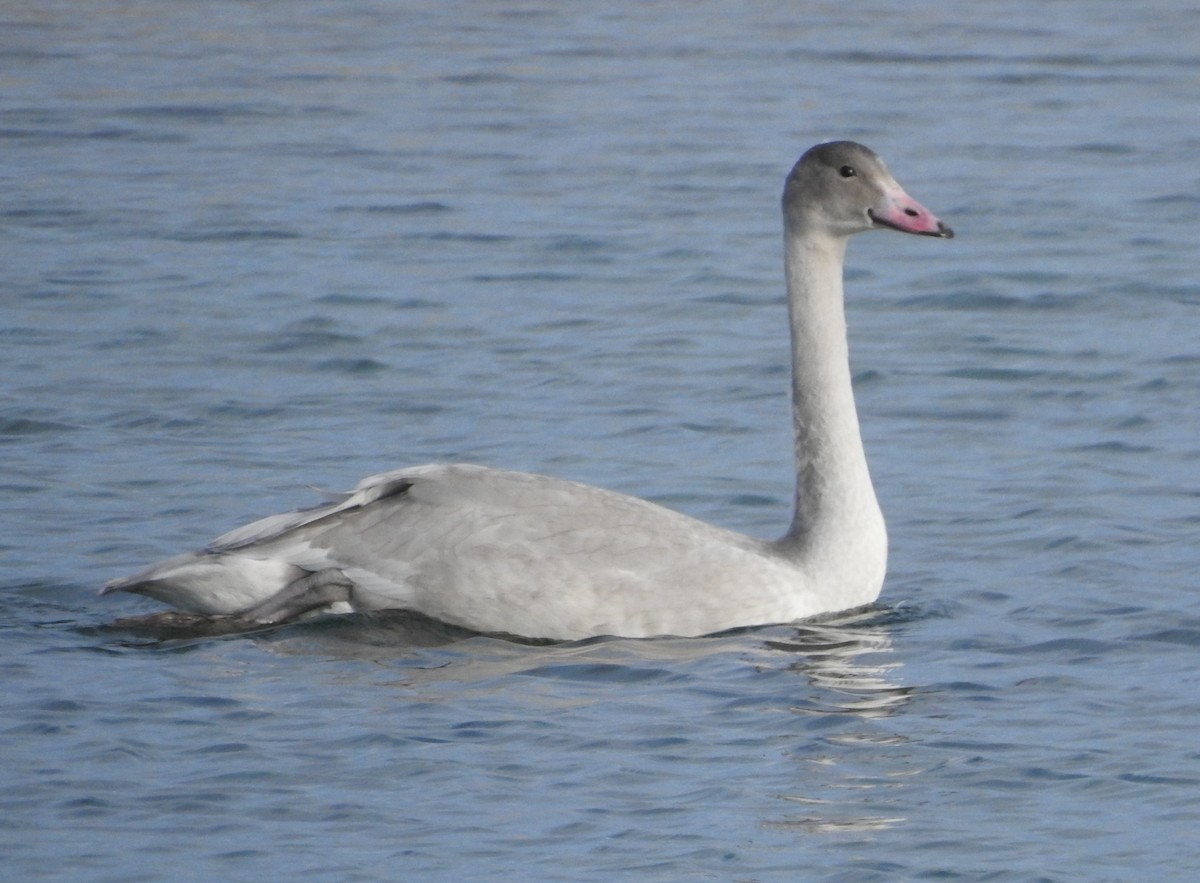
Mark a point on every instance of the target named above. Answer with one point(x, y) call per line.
point(852, 767)
point(831, 722)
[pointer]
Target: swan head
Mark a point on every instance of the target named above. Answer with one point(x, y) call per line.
point(842, 188)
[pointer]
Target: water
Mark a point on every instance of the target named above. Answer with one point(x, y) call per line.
point(251, 247)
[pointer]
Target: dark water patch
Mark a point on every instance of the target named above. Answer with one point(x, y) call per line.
point(740, 299)
point(568, 324)
point(340, 299)
point(353, 367)
point(26, 54)
point(1074, 650)
point(683, 256)
point(221, 749)
point(127, 338)
point(602, 673)
point(164, 421)
point(1142, 286)
point(1104, 148)
point(1072, 543)
point(1137, 421)
point(375, 740)
point(1114, 447)
point(49, 217)
point(1070, 68)
point(117, 133)
point(490, 729)
point(532, 276)
point(884, 615)
point(426, 207)
point(1004, 375)
point(581, 246)
point(1171, 209)
point(1042, 775)
point(753, 501)
point(308, 339)
point(16, 488)
point(478, 78)
point(723, 428)
point(320, 150)
point(1050, 78)
point(207, 113)
point(991, 302)
point(16, 428)
point(953, 415)
point(234, 234)
point(419, 407)
point(86, 807)
point(465, 238)
point(245, 855)
point(50, 137)
point(1181, 636)
point(91, 278)
point(235, 410)
point(976, 691)
point(207, 702)
point(874, 56)
point(24, 336)
point(344, 299)
point(1148, 779)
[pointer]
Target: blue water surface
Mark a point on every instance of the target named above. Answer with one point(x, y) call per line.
point(248, 250)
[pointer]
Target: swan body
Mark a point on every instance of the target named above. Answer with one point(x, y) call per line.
point(540, 557)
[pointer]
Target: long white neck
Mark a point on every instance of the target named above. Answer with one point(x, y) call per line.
point(837, 522)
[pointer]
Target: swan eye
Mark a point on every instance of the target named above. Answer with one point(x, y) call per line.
point(847, 171)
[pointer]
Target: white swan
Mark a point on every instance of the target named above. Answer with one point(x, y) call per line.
point(538, 557)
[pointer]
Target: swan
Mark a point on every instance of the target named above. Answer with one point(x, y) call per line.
point(539, 557)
